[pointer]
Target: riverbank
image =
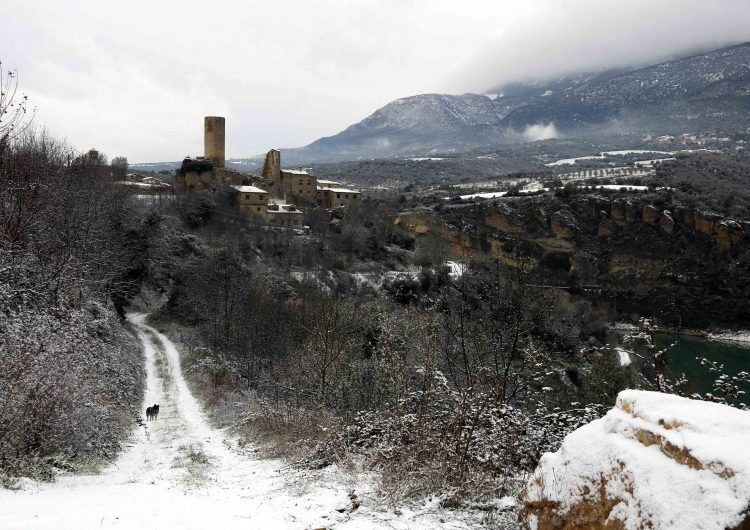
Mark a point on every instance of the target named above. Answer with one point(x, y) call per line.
point(739, 336)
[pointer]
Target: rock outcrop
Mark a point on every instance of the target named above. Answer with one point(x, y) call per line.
point(654, 461)
point(650, 215)
point(705, 222)
point(619, 212)
point(728, 233)
point(563, 225)
point(666, 223)
point(607, 226)
point(503, 221)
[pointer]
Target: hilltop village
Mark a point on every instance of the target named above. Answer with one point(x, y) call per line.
point(276, 197)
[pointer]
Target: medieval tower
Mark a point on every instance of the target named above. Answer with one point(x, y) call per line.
point(272, 166)
point(213, 140)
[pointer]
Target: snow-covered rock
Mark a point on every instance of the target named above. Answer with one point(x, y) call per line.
point(654, 461)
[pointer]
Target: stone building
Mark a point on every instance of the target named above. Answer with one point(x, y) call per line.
point(153, 181)
point(213, 139)
point(299, 184)
point(251, 200)
point(208, 171)
point(330, 198)
point(272, 197)
point(283, 214)
point(272, 166)
point(201, 174)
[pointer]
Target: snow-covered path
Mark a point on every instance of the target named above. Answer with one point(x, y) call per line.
point(181, 473)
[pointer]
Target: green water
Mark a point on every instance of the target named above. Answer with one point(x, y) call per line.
point(682, 359)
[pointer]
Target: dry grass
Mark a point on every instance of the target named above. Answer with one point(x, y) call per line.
point(283, 430)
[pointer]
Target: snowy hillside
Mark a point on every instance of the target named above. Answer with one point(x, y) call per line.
point(178, 472)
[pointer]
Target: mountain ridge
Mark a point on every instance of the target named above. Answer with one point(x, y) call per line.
point(663, 97)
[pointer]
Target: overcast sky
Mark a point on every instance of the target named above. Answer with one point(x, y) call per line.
point(136, 78)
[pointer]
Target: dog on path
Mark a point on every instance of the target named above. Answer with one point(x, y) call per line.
point(152, 412)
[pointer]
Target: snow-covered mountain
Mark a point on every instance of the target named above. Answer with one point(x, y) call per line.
point(701, 85)
point(702, 91)
point(418, 124)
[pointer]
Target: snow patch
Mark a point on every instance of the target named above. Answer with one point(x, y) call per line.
point(624, 356)
point(457, 268)
point(487, 195)
point(731, 336)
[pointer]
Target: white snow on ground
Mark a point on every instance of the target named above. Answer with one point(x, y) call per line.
point(653, 161)
point(181, 473)
point(605, 154)
point(636, 152)
point(624, 356)
point(731, 336)
point(617, 187)
point(456, 268)
point(532, 187)
point(139, 184)
point(570, 161)
point(489, 195)
point(665, 461)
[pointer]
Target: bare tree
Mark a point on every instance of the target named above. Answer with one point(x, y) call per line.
point(119, 167)
point(14, 118)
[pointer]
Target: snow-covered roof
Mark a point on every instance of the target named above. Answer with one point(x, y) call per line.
point(341, 190)
point(142, 184)
point(249, 189)
point(284, 208)
point(295, 171)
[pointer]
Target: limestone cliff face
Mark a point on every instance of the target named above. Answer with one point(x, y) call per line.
point(654, 461)
point(503, 221)
point(563, 225)
point(681, 265)
point(650, 215)
point(705, 222)
point(624, 214)
point(666, 223)
point(729, 233)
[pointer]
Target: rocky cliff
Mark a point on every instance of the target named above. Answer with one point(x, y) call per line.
point(633, 253)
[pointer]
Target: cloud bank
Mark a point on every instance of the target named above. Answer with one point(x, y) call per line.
point(550, 38)
point(136, 78)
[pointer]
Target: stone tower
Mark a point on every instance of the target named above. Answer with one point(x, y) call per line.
point(213, 140)
point(272, 166)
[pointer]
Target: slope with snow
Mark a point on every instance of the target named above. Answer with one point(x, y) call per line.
point(178, 472)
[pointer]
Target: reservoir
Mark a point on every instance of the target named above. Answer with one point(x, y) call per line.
point(735, 356)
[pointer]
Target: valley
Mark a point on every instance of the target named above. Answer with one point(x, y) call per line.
point(522, 307)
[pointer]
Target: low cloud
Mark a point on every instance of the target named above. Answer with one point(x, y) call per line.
point(545, 39)
point(139, 86)
point(540, 131)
